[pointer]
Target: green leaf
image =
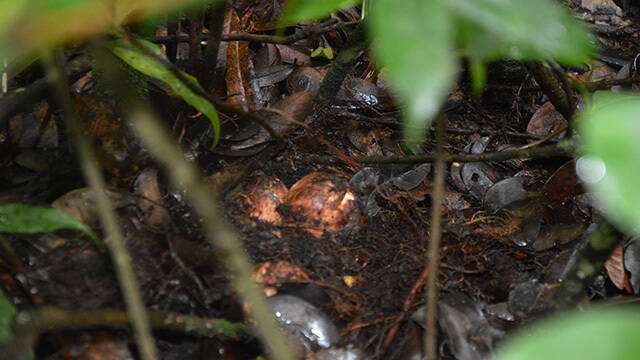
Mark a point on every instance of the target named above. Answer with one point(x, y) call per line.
point(322, 53)
point(597, 334)
point(18, 218)
point(7, 313)
point(305, 10)
point(141, 60)
point(521, 29)
point(610, 132)
point(413, 40)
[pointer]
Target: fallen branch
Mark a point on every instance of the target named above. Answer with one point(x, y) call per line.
point(562, 148)
point(273, 39)
point(31, 323)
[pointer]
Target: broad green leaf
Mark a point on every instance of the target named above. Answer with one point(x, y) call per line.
point(141, 60)
point(521, 29)
point(596, 334)
point(610, 133)
point(413, 41)
point(7, 312)
point(305, 10)
point(18, 218)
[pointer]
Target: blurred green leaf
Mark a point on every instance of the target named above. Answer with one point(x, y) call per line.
point(305, 10)
point(141, 60)
point(18, 218)
point(55, 5)
point(610, 132)
point(596, 334)
point(478, 72)
point(7, 313)
point(520, 29)
point(10, 12)
point(413, 41)
point(49, 23)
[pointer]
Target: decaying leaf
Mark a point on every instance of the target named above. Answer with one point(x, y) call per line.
point(616, 271)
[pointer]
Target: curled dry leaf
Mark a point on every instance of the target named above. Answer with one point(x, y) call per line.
point(150, 198)
point(616, 271)
point(545, 120)
point(322, 202)
point(292, 55)
point(80, 204)
point(237, 77)
point(305, 78)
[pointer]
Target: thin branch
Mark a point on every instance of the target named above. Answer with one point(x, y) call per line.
point(607, 84)
point(431, 333)
point(30, 323)
point(393, 122)
point(550, 136)
point(122, 263)
point(406, 307)
point(562, 148)
point(273, 39)
point(47, 318)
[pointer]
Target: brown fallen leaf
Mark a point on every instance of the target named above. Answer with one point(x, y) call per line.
point(237, 76)
point(616, 271)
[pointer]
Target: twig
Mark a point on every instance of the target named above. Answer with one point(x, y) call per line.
point(405, 310)
point(607, 84)
point(431, 335)
point(390, 121)
point(114, 241)
point(550, 136)
point(562, 148)
point(303, 33)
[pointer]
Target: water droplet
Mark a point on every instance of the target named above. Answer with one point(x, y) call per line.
point(590, 169)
